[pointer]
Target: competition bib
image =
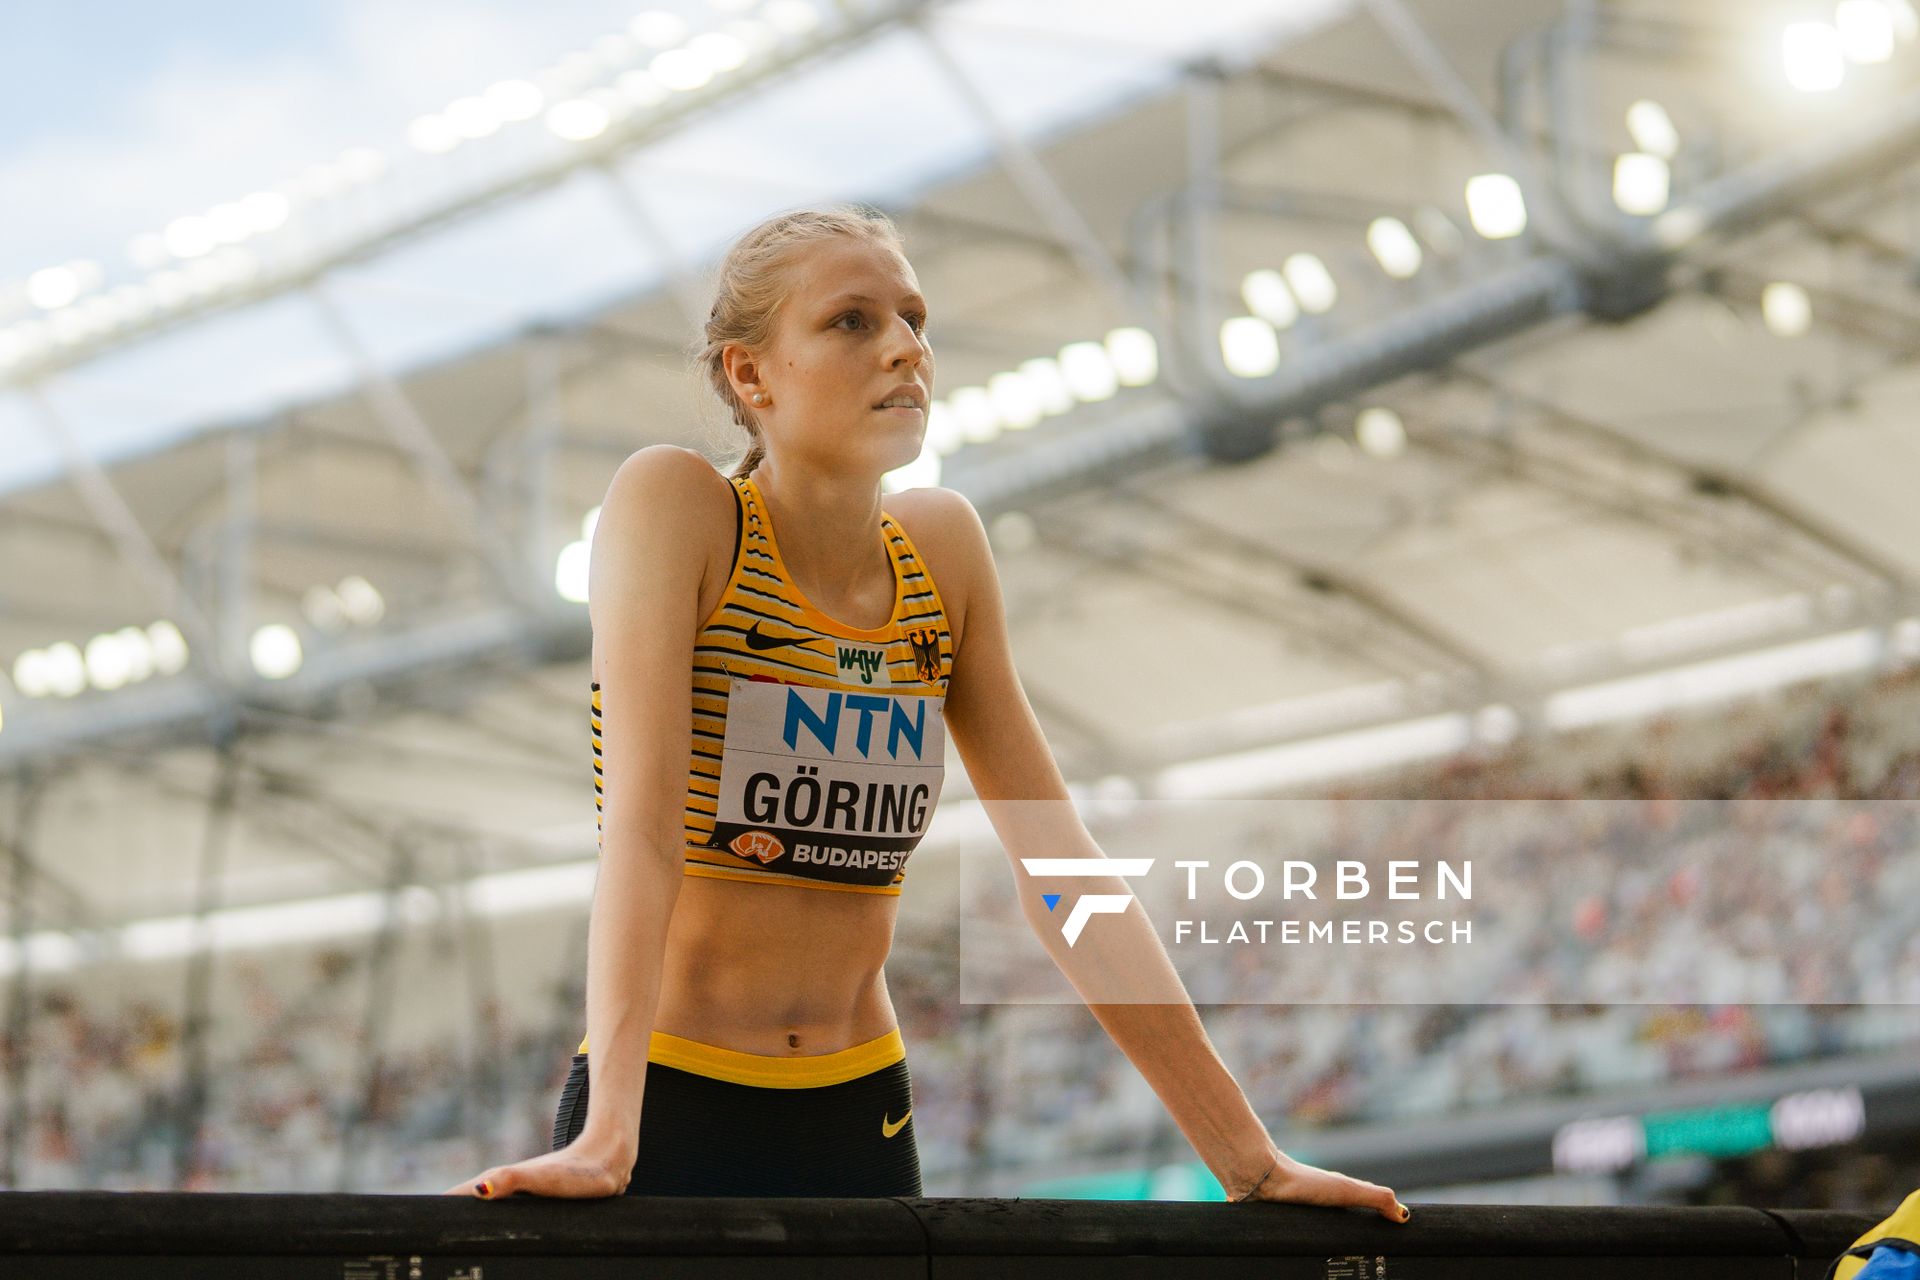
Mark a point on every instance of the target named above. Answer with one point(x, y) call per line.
point(835, 784)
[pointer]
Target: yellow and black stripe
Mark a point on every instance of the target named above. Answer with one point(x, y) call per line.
point(759, 591)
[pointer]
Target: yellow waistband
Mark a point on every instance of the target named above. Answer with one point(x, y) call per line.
point(769, 1071)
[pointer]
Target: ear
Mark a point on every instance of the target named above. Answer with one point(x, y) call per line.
point(740, 366)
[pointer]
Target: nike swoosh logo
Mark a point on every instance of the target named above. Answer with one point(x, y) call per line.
point(755, 640)
point(888, 1129)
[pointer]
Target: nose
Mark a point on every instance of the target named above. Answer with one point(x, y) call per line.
point(906, 344)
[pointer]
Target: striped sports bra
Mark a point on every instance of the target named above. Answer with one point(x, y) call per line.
point(818, 748)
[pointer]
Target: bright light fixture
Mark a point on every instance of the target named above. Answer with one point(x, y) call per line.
point(571, 571)
point(1496, 206)
point(943, 428)
point(1652, 129)
point(1380, 431)
point(361, 599)
point(432, 134)
point(1311, 282)
point(1866, 30)
point(1049, 385)
point(1815, 61)
point(1249, 346)
point(680, 69)
point(1134, 354)
point(578, 119)
point(1266, 294)
point(1014, 401)
point(1640, 183)
point(1393, 247)
point(169, 647)
point(1786, 308)
point(974, 408)
point(1089, 371)
point(275, 651)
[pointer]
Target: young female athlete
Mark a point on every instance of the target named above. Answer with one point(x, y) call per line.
point(832, 644)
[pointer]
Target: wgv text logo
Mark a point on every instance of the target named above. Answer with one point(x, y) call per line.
point(1087, 905)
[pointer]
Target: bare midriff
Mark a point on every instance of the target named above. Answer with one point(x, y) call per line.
point(776, 969)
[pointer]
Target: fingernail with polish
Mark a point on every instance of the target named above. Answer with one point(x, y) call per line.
point(1405, 1213)
point(484, 1188)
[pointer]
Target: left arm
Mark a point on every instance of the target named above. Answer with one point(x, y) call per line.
point(1008, 761)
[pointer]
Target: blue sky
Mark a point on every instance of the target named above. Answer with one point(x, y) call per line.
point(117, 117)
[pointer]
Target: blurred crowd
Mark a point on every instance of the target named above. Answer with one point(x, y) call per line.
point(297, 1102)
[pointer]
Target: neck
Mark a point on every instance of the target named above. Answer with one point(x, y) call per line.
point(828, 523)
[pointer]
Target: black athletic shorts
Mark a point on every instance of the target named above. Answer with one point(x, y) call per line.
point(717, 1122)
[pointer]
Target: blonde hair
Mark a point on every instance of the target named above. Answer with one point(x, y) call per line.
point(752, 282)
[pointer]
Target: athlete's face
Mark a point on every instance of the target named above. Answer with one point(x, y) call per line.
point(851, 332)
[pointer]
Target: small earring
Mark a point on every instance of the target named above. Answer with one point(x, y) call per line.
point(759, 397)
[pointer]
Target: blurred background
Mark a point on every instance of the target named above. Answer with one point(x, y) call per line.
point(1520, 393)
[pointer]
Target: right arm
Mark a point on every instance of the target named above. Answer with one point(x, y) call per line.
point(644, 586)
point(649, 558)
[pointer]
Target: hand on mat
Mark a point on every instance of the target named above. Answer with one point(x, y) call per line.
point(1298, 1183)
point(575, 1172)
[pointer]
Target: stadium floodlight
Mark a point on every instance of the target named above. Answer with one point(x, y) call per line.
point(53, 287)
point(1014, 400)
point(943, 428)
point(1393, 247)
point(1786, 308)
point(1906, 22)
point(432, 134)
point(613, 49)
point(361, 599)
point(1866, 30)
point(1640, 183)
point(138, 652)
point(514, 100)
point(1134, 355)
point(109, 666)
point(275, 651)
point(169, 647)
point(681, 69)
point(571, 571)
point(229, 222)
point(32, 675)
point(169, 287)
point(359, 165)
point(1048, 383)
point(1266, 294)
point(472, 117)
point(66, 669)
point(1495, 206)
point(720, 51)
point(1813, 57)
point(755, 37)
point(1380, 431)
point(1249, 346)
point(1311, 282)
point(1652, 129)
point(1089, 371)
point(265, 211)
point(658, 29)
point(148, 251)
point(641, 88)
point(974, 408)
point(578, 119)
point(588, 523)
point(791, 17)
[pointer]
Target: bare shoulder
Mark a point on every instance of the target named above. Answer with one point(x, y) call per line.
point(673, 475)
point(667, 515)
